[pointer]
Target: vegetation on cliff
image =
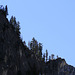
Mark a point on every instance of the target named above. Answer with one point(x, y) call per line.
point(18, 59)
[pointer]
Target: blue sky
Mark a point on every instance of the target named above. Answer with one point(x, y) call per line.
point(51, 22)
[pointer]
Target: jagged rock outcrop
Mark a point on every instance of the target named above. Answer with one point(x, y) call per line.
point(59, 67)
point(17, 59)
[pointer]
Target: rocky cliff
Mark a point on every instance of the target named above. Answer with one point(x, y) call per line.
point(17, 59)
point(59, 67)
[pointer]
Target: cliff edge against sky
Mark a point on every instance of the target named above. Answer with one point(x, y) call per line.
point(17, 59)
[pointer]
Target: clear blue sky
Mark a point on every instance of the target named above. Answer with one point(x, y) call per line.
point(51, 22)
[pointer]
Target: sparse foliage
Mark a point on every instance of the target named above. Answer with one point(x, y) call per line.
point(36, 48)
point(46, 55)
point(6, 10)
point(43, 58)
point(40, 50)
point(18, 28)
point(52, 56)
point(16, 25)
point(49, 58)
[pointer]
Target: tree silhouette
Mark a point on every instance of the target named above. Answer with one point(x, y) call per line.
point(16, 25)
point(49, 58)
point(46, 55)
point(43, 58)
point(6, 10)
point(36, 48)
point(33, 45)
point(18, 28)
point(52, 55)
point(40, 50)
point(12, 20)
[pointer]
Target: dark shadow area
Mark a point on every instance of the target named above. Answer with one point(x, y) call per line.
point(19, 73)
point(28, 73)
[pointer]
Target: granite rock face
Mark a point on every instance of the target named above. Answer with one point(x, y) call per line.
point(59, 67)
point(17, 59)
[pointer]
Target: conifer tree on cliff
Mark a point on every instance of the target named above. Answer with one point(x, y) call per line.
point(36, 48)
point(46, 55)
point(16, 25)
point(49, 58)
point(12, 20)
point(6, 10)
point(40, 50)
point(34, 45)
point(43, 58)
point(18, 28)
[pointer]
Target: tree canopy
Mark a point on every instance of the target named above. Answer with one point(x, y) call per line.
point(4, 9)
point(36, 48)
point(16, 25)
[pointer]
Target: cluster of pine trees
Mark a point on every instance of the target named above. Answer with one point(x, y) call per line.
point(16, 25)
point(13, 22)
point(33, 45)
point(4, 9)
point(36, 48)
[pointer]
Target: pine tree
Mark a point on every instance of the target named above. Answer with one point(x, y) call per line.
point(18, 28)
point(49, 58)
point(43, 58)
point(16, 25)
point(12, 20)
point(46, 55)
point(36, 48)
point(52, 56)
point(34, 45)
point(6, 10)
point(40, 51)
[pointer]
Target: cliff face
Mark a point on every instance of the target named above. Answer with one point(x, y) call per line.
point(59, 67)
point(12, 53)
point(17, 59)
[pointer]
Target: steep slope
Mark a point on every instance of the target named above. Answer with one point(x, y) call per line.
point(17, 59)
point(12, 53)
